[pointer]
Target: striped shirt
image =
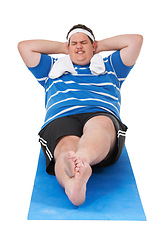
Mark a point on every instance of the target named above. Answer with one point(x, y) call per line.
point(84, 92)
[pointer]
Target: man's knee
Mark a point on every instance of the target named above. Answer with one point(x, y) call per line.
point(100, 122)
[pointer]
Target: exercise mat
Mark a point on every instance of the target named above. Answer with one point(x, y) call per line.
point(112, 194)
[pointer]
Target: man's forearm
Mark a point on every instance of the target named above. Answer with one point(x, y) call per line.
point(44, 46)
point(30, 50)
point(129, 44)
point(108, 44)
point(117, 42)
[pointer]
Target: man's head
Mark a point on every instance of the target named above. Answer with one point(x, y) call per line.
point(81, 44)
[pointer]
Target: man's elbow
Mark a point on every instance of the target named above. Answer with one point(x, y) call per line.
point(24, 50)
point(21, 45)
point(138, 40)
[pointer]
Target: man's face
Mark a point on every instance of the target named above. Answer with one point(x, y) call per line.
point(81, 50)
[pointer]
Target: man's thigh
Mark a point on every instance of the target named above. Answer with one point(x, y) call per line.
point(101, 124)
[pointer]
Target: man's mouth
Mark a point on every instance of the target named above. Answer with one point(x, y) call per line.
point(80, 52)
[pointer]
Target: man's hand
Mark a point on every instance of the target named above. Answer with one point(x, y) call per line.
point(129, 44)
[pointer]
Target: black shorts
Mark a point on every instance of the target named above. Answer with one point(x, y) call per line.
point(73, 125)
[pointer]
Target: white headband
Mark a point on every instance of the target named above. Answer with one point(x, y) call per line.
point(77, 30)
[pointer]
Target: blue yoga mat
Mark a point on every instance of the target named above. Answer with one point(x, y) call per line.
point(112, 194)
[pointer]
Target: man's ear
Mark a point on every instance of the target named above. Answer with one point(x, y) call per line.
point(94, 46)
point(67, 47)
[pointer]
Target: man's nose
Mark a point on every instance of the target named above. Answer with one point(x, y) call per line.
point(79, 45)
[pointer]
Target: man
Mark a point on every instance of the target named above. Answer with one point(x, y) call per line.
point(82, 128)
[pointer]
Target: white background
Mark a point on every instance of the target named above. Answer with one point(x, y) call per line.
point(22, 112)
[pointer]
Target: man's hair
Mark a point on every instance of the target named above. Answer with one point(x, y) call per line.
point(82, 27)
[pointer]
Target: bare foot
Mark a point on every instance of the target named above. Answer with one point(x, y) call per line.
point(69, 161)
point(76, 186)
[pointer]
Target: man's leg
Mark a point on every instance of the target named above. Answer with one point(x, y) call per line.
point(75, 155)
point(98, 139)
point(70, 172)
point(64, 164)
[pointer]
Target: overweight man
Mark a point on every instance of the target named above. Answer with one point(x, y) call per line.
point(82, 127)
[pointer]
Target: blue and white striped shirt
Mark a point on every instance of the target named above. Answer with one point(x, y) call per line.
point(84, 92)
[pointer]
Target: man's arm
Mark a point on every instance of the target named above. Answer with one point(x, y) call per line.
point(129, 46)
point(31, 50)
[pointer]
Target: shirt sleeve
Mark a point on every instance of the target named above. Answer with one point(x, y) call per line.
point(120, 69)
point(42, 70)
point(115, 64)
